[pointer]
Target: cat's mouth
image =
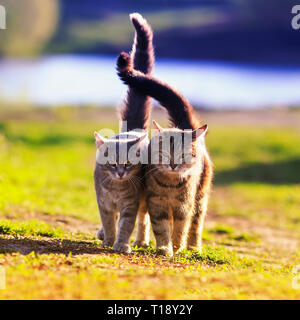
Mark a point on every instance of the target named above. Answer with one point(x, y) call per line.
point(172, 172)
point(181, 173)
point(176, 172)
point(120, 179)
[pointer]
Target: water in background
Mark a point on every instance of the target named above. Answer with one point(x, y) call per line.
point(83, 80)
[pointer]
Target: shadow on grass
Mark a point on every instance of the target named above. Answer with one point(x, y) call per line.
point(286, 172)
point(26, 246)
point(210, 255)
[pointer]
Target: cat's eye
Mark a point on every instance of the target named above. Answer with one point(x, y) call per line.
point(128, 165)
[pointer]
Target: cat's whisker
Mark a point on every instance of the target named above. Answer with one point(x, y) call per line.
point(138, 180)
point(151, 170)
point(102, 183)
point(133, 184)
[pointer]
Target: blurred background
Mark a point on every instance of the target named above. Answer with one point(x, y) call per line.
point(229, 54)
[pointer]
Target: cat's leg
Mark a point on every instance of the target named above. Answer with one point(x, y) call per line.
point(159, 216)
point(109, 223)
point(181, 224)
point(108, 214)
point(197, 223)
point(143, 228)
point(128, 215)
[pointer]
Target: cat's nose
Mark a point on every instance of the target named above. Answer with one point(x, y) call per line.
point(173, 166)
point(120, 173)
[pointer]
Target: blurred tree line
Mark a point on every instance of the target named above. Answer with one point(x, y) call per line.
point(30, 25)
point(237, 30)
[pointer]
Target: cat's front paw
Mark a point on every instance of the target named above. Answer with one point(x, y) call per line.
point(107, 242)
point(140, 244)
point(177, 250)
point(197, 249)
point(122, 247)
point(100, 234)
point(165, 251)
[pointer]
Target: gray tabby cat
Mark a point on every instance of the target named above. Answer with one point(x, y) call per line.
point(177, 190)
point(118, 183)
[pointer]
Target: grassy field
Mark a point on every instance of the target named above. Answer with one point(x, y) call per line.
point(48, 213)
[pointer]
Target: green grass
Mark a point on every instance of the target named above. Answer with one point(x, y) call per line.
point(222, 229)
point(48, 215)
point(29, 228)
point(246, 237)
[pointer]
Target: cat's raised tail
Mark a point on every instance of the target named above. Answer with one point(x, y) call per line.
point(181, 113)
point(142, 50)
point(137, 106)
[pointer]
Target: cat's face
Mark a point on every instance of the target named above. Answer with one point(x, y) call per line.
point(121, 171)
point(113, 155)
point(184, 151)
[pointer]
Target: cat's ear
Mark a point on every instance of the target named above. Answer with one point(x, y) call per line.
point(99, 139)
point(200, 132)
point(156, 126)
point(138, 140)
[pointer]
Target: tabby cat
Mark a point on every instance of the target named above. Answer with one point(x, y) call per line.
point(118, 183)
point(177, 190)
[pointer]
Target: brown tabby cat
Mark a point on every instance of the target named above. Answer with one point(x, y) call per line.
point(177, 190)
point(118, 182)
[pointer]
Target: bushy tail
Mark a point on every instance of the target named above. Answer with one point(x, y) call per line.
point(137, 106)
point(181, 113)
